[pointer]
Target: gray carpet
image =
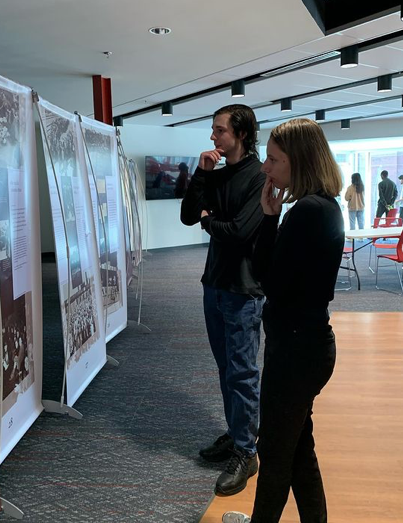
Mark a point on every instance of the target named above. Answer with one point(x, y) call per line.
point(369, 299)
point(134, 455)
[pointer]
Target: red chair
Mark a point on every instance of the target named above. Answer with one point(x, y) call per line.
point(397, 259)
point(392, 220)
point(347, 253)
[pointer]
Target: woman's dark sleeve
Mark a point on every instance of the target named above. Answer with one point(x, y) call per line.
point(264, 246)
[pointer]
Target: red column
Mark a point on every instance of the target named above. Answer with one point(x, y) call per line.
point(102, 99)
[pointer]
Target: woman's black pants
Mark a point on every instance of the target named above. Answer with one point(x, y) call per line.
point(299, 361)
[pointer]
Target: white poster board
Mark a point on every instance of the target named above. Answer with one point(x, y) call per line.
point(103, 175)
point(83, 334)
point(20, 267)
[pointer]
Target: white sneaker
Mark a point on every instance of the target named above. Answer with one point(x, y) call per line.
point(235, 517)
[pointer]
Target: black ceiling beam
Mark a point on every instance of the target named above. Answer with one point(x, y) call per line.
point(310, 94)
point(277, 71)
point(366, 117)
point(340, 108)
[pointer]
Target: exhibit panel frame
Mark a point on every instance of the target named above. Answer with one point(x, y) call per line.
point(101, 157)
point(76, 250)
point(20, 268)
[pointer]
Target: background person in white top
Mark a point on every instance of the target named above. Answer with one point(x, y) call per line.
point(355, 197)
point(400, 199)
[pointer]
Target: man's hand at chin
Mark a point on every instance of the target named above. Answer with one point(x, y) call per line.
point(209, 159)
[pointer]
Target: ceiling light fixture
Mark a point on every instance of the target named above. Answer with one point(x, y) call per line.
point(401, 12)
point(286, 105)
point(118, 121)
point(345, 124)
point(320, 115)
point(159, 31)
point(238, 89)
point(257, 127)
point(349, 56)
point(167, 109)
point(384, 83)
point(107, 54)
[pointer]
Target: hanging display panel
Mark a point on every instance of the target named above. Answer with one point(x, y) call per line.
point(20, 267)
point(76, 249)
point(135, 188)
point(103, 175)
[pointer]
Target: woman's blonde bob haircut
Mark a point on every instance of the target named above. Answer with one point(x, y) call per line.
point(313, 167)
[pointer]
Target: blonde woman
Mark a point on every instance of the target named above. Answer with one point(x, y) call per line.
point(355, 198)
point(300, 349)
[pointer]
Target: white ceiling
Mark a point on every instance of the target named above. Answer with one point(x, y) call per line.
point(56, 46)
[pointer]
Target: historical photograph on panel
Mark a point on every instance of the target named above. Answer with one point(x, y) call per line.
point(16, 310)
point(18, 357)
point(105, 207)
point(84, 321)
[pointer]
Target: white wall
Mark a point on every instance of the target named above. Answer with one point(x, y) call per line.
point(164, 226)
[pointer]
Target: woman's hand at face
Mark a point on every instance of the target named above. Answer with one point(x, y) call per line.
point(270, 202)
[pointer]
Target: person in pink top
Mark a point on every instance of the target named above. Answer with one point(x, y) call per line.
point(355, 197)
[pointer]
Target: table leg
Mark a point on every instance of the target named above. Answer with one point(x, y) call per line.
point(355, 268)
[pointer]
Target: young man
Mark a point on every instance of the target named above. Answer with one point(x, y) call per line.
point(387, 195)
point(226, 202)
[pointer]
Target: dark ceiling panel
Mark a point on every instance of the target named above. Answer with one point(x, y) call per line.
point(343, 14)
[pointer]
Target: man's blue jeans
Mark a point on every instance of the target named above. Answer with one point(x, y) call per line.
point(233, 327)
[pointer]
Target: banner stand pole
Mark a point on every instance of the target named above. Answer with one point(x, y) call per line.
point(50, 405)
point(8, 509)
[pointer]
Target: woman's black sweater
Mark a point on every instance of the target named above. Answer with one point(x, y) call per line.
point(298, 262)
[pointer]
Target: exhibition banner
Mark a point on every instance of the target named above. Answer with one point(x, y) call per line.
point(20, 267)
point(76, 249)
point(135, 186)
point(126, 221)
point(101, 157)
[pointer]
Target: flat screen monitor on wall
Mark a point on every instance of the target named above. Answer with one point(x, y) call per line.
point(168, 177)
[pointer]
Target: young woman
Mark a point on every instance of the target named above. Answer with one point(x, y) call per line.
point(297, 264)
point(355, 197)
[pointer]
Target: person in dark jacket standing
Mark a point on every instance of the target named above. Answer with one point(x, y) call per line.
point(300, 348)
point(387, 195)
point(226, 202)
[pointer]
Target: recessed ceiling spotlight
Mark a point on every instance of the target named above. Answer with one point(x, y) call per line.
point(159, 31)
point(107, 54)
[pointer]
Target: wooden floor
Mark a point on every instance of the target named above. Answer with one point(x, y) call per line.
point(358, 422)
